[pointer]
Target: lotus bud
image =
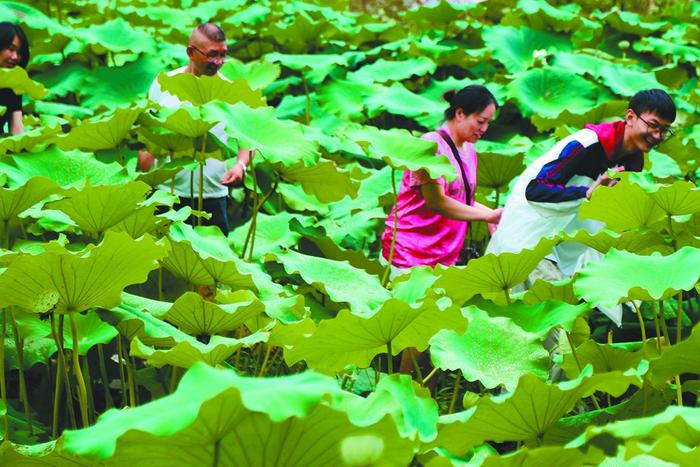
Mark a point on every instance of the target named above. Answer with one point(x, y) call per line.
point(624, 45)
point(470, 399)
point(362, 450)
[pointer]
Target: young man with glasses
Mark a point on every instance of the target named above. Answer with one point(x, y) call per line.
point(206, 52)
point(547, 196)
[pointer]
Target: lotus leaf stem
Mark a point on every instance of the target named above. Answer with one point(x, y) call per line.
point(58, 337)
point(679, 318)
point(20, 359)
point(103, 375)
point(385, 277)
point(122, 374)
point(160, 282)
point(662, 319)
point(253, 215)
point(657, 326)
point(6, 234)
point(85, 365)
point(389, 359)
point(578, 364)
point(57, 388)
point(641, 321)
point(217, 453)
point(3, 383)
point(430, 375)
point(200, 199)
point(506, 294)
point(455, 392)
point(263, 367)
point(130, 379)
point(416, 366)
point(173, 379)
point(254, 220)
point(82, 390)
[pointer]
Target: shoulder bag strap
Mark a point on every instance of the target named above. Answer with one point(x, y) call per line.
point(455, 153)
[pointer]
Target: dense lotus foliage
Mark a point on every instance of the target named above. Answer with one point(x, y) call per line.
point(129, 337)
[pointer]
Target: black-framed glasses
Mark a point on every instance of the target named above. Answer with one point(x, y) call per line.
point(213, 54)
point(665, 132)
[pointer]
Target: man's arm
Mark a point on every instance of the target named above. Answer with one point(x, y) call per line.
point(550, 184)
point(234, 176)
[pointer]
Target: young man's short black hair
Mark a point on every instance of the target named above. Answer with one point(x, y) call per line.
point(656, 101)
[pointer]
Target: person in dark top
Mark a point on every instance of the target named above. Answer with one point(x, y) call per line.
point(547, 196)
point(14, 51)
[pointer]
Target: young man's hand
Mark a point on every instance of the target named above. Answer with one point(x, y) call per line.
point(234, 175)
point(605, 180)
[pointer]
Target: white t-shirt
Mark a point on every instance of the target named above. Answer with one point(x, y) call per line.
point(214, 169)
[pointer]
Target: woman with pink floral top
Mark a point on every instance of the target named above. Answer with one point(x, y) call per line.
point(433, 214)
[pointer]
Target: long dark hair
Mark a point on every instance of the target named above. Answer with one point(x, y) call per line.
point(471, 99)
point(8, 32)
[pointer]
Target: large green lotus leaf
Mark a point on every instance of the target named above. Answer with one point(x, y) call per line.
point(193, 315)
point(337, 279)
point(215, 415)
point(64, 168)
point(626, 206)
point(117, 36)
point(64, 79)
point(135, 317)
point(329, 249)
point(414, 285)
point(69, 111)
point(540, 291)
point(214, 254)
point(38, 345)
point(31, 17)
point(346, 98)
point(493, 351)
point(550, 91)
point(414, 411)
point(184, 354)
point(491, 275)
point(623, 276)
point(183, 261)
point(496, 171)
point(324, 180)
point(277, 141)
point(315, 66)
point(398, 100)
point(186, 120)
point(629, 22)
point(28, 140)
point(538, 318)
point(272, 233)
point(541, 15)
point(685, 152)
point(602, 357)
point(44, 454)
point(17, 79)
point(548, 455)
point(199, 90)
point(403, 151)
point(103, 133)
point(677, 359)
point(682, 197)
point(355, 339)
point(72, 282)
point(679, 423)
point(112, 87)
point(15, 201)
point(664, 49)
point(97, 208)
point(604, 111)
point(515, 47)
point(393, 70)
point(140, 222)
point(527, 413)
point(633, 241)
point(258, 74)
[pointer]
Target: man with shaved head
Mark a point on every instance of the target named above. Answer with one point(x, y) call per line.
point(206, 51)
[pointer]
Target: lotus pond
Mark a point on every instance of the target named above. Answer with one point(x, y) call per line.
point(129, 337)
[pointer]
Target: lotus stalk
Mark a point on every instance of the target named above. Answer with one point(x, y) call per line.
point(642, 329)
point(103, 375)
point(385, 277)
point(122, 373)
point(455, 392)
point(389, 359)
point(77, 372)
point(19, 348)
point(3, 383)
point(578, 365)
point(62, 370)
point(85, 366)
point(200, 199)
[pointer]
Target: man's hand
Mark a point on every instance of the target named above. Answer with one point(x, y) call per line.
point(234, 176)
point(605, 180)
point(144, 161)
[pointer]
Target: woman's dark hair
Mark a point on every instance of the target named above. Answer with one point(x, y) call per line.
point(471, 99)
point(656, 101)
point(8, 32)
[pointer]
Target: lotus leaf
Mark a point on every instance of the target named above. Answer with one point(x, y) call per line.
point(271, 233)
point(516, 47)
point(201, 90)
point(73, 282)
point(385, 70)
point(640, 280)
point(18, 80)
